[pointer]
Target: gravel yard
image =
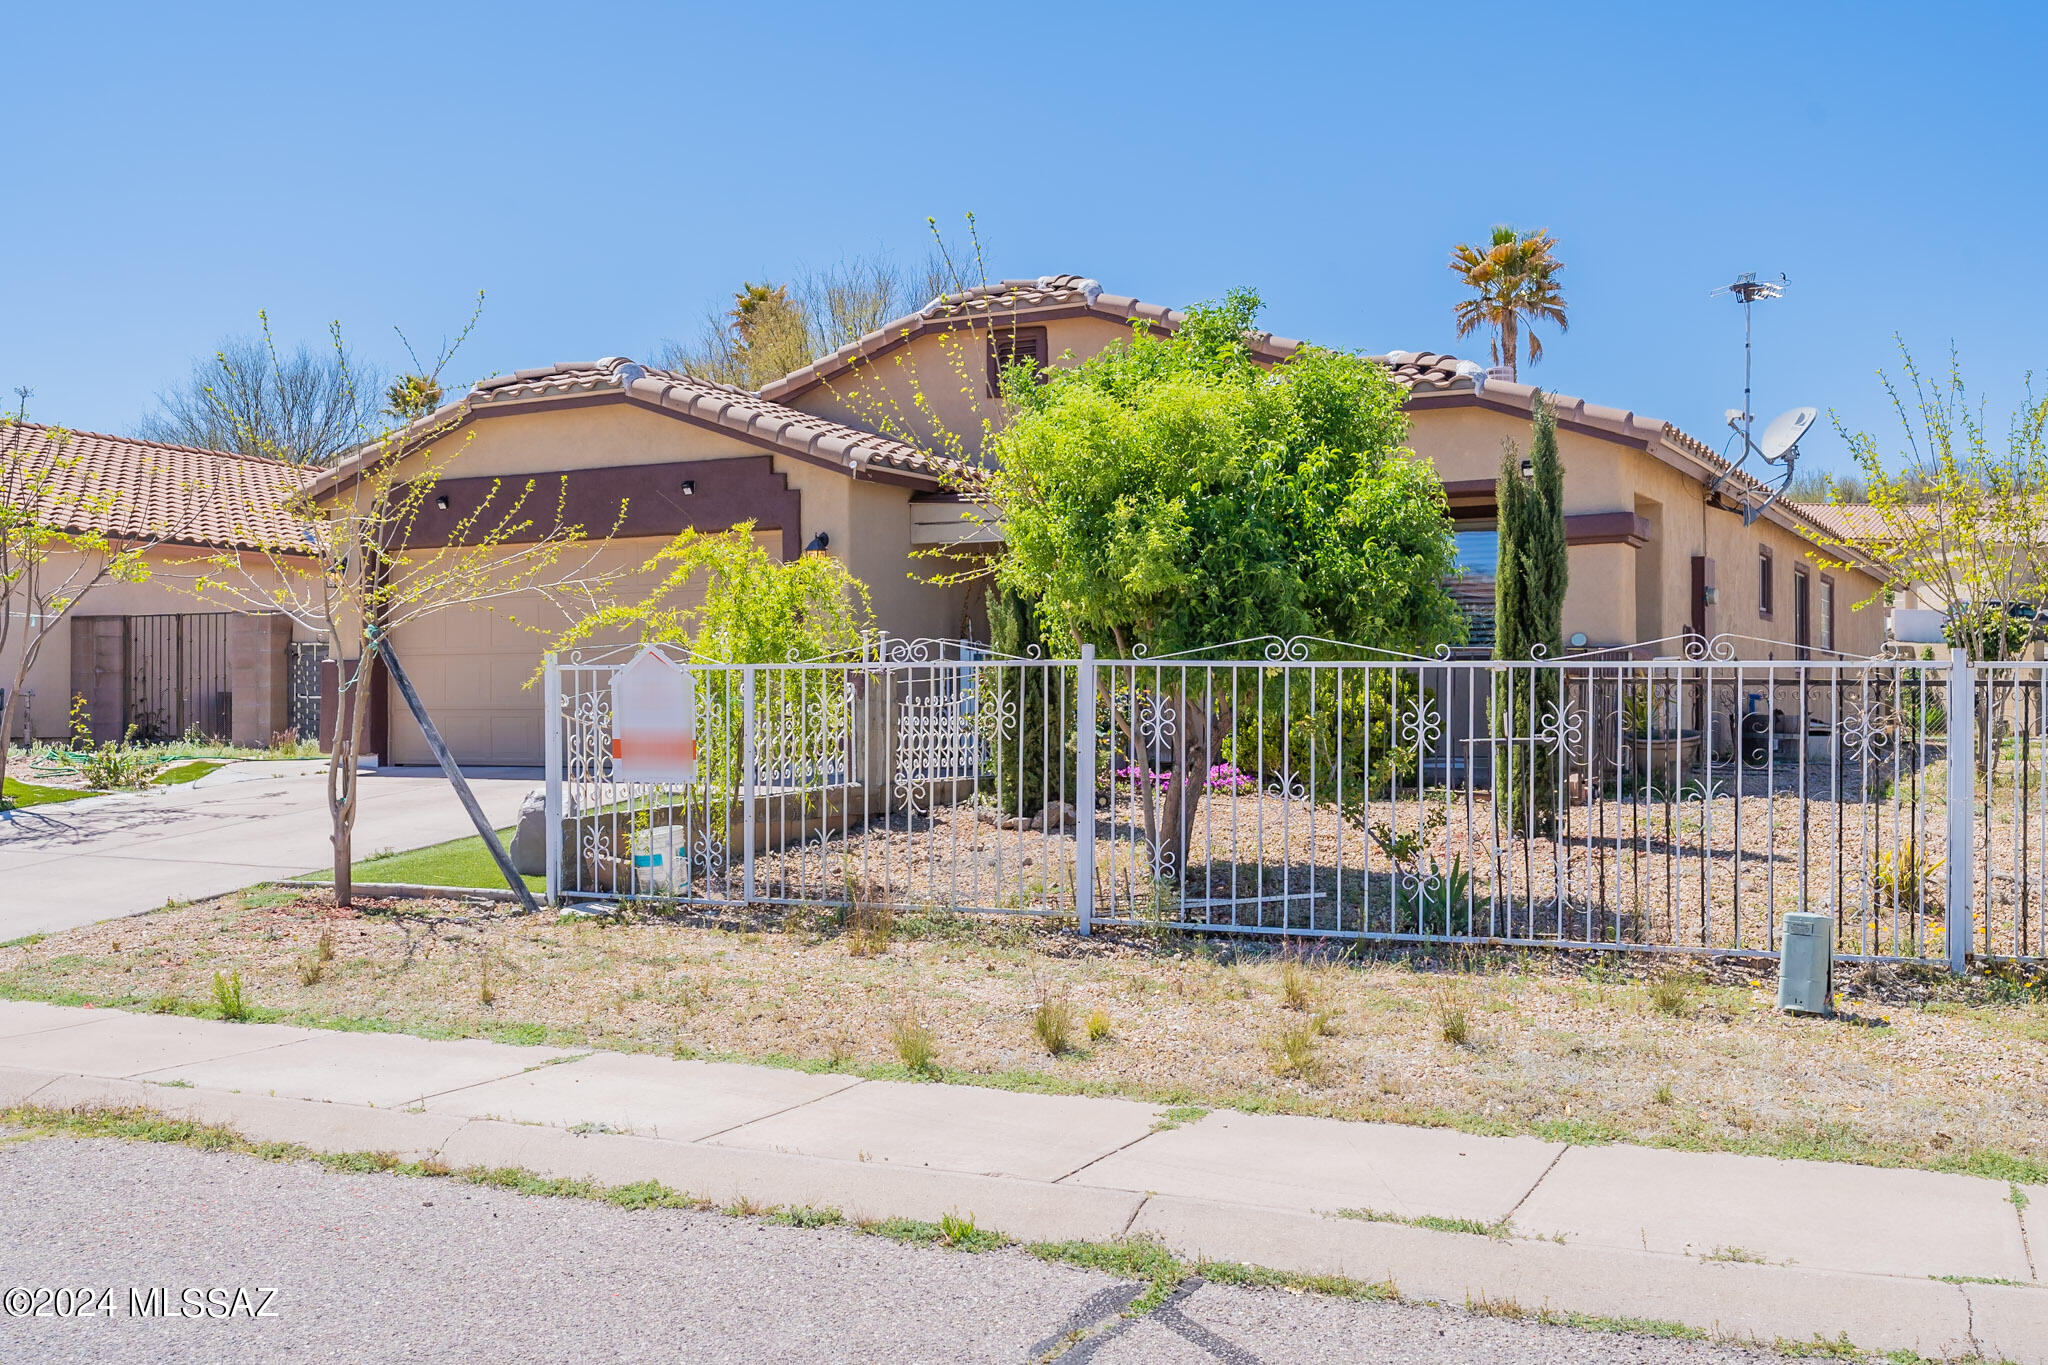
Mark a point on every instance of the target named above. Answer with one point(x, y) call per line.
point(1916, 1070)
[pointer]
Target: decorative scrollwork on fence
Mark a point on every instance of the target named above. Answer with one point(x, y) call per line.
point(1563, 731)
point(1420, 724)
point(1281, 649)
point(1288, 786)
point(1866, 734)
point(1158, 720)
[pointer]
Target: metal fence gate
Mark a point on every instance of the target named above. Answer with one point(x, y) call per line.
point(1309, 789)
point(178, 676)
point(304, 714)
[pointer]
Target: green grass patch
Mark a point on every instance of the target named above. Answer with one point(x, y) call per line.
point(459, 862)
point(22, 795)
point(951, 1230)
point(1471, 1227)
point(186, 772)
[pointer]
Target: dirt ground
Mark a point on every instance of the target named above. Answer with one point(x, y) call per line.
point(1916, 1068)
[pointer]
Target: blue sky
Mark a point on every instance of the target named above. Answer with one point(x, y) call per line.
point(605, 174)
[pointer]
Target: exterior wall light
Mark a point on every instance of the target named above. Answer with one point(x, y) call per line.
point(819, 544)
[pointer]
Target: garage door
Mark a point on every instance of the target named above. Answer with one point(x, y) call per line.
point(472, 665)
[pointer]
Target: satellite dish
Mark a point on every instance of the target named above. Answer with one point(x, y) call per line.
point(1781, 437)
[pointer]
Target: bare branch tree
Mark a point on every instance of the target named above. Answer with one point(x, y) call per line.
point(358, 568)
point(55, 545)
point(772, 329)
point(301, 406)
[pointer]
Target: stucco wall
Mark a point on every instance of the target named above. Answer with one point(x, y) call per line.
point(866, 521)
point(949, 370)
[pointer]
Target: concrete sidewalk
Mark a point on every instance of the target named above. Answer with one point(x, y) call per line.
point(1746, 1246)
point(78, 862)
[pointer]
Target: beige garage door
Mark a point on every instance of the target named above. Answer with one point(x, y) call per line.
point(471, 667)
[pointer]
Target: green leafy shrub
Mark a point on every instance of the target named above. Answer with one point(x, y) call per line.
point(228, 997)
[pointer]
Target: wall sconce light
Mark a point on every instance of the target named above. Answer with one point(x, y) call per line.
point(1528, 469)
point(818, 544)
point(689, 487)
point(442, 502)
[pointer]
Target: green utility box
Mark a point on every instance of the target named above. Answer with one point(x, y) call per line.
point(1806, 964)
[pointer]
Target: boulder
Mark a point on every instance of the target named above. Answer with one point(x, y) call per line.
point(530, 839)
point(1057, 815)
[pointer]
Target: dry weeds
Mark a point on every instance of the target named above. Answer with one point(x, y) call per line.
point(1915, 1068)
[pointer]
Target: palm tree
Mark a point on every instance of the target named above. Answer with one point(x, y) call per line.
point(1513, 280)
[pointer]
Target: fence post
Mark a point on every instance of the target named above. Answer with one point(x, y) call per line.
point(748, 786)
point(552, 746)
point(1960, 914)
point(1084, 793)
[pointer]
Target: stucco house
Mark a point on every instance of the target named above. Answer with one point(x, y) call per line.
point(872, 453)
point(155, 654)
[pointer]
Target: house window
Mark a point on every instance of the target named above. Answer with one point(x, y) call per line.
point(1802, 609)
point(1477, 548)
point(1007, 347)
point(1763, 581)
point(1476, 556)
point(1827, 612)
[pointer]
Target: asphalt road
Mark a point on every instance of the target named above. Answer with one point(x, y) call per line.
point(78, 862)
point(389, 1268)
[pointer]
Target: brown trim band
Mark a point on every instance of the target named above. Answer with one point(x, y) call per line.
point(723, 493)
point(1606, 528)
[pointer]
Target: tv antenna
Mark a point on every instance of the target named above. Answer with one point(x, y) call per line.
point(1780, 445)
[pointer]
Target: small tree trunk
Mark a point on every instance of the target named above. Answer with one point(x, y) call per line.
point(7, 730)
point(1510, 338)
point(343, 776)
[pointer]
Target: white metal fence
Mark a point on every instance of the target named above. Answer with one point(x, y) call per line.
point(1311, 789)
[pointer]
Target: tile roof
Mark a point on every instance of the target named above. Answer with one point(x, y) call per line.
point(144, 490)
point(1019, 300)
point(1858, 521)
point(1015, 301)
point(1414, 370)
point(724, 406)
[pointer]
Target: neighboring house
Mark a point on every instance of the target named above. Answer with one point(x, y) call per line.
point(1862, 525)
point(152, 655)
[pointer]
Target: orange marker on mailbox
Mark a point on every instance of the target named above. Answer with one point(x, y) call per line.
point(654, 721)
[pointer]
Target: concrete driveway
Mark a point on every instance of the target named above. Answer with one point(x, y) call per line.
point(104, 857)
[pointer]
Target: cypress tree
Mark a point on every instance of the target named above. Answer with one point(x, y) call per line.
point(1026, 699)
point(1529, 586)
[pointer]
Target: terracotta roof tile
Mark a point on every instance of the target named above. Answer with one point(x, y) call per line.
point(722, 405)
point(144, 490)
point(1427, 369)
point(1857, 521)
point(727, 405)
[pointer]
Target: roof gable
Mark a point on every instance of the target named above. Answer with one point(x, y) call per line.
point(722, 407)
